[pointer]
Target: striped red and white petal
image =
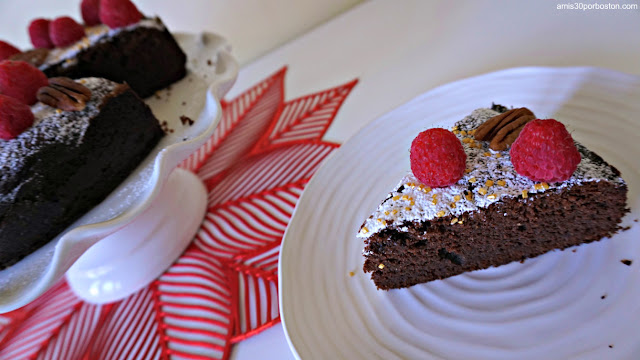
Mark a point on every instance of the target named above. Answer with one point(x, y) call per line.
point(186, 313)
point(130, 330)
point(306, 118)
point(57, 327)
point(252, 202)
point(257, 274)
point(251, 206)
point(9, 322)
point(234, 137)
point(259, 103)
point(245, 224)
point(196, 307)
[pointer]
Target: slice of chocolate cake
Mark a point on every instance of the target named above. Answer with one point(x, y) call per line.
point(69, 160)
point(490, 217)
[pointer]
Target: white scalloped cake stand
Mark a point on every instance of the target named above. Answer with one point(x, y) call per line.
point(146, 223)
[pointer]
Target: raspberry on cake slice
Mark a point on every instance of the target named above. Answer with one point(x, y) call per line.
point(523, 187)
point(437, 157)
point(545, 151)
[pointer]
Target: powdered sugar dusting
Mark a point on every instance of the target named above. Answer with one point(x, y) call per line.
point(50, 126)
point(490, 177)
point(94, 35)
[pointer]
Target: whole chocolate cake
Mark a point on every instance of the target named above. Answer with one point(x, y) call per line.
point(489, 217)
point(69, 160)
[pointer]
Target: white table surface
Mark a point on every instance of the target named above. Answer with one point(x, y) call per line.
point(398, 49)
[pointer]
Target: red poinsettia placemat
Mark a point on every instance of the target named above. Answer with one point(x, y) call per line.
point(224, 288)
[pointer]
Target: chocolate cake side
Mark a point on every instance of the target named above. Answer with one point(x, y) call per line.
point(56, 182)
point(146, 57)
point(504, 232)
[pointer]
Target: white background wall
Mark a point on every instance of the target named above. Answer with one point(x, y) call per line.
point(252, 26)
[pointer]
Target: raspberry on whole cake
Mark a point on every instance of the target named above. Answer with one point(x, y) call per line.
point(21, 80)
point(7, 50)
point(15, 117)
point(39, 34)
point(527, 189)
point(65, 31)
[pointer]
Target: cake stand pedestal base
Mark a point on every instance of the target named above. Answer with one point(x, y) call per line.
point(129, 259)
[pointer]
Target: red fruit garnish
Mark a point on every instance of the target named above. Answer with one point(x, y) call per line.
point(437, 158)
point(39, 34)
point(119, 13)
point(65, 31)
point(6, 50)
point(545, 151)
point(90, 10)
point(15, 117)
point(21, 80)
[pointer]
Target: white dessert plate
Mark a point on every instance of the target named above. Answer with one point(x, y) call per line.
point(579, 303)
point(211, 73)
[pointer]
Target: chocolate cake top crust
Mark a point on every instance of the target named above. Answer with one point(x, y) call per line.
point(490, 177)
point(94, 35)
point(50, 126)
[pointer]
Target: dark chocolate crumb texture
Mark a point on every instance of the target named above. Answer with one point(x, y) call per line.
point(490, 217)
point(68, 162)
